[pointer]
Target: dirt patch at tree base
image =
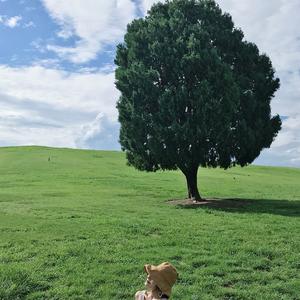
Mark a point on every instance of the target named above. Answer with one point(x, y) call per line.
point(210, 202)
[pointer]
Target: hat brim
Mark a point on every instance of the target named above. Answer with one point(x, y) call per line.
point(147, 268)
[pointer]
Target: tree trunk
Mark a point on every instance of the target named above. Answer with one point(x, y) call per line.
point(191, 180)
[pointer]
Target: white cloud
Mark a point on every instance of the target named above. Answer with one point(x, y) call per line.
point(91, 92)
point(52, 107)
point(285, 151)
point(55, 137)
point(98, 134)
point(11, 22)
point(29, 24)
point(29, 125)
point(96, 22)
point(50, 63)
point(93, 128)
point(145, 5)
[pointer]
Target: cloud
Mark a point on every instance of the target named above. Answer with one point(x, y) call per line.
point(145, 5)
point(27, 124)
point(285, 151)
point(29, 24)
point(25, 119)
point(96, 23)
point(91, 92)
point(99, 134)
point(52, 107)
point(11, 22)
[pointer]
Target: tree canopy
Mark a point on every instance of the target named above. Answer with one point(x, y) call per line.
point(194, 92)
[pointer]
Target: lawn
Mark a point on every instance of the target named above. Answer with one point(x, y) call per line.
point(80, 224)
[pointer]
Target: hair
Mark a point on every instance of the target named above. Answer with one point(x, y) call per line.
point(158, 290)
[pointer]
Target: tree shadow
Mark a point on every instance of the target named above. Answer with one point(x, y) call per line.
point(290, 208)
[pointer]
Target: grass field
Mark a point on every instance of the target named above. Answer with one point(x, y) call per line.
point(82, 225)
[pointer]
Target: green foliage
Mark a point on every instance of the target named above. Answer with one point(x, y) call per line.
point(193, 91)
point(82, 225)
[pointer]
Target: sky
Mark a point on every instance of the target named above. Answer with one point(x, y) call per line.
point(57, 70)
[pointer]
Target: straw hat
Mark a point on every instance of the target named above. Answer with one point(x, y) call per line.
point(164, 276)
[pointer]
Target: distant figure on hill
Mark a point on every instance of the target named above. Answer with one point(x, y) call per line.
point(159, 282)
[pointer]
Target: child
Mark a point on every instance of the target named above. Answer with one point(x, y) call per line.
point(159, 282)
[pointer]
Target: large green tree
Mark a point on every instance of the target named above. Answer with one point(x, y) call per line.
point(194, 92)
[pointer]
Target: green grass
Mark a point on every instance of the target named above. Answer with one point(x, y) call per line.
point(82, 225)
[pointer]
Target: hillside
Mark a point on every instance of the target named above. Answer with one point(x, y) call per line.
point(80, 224)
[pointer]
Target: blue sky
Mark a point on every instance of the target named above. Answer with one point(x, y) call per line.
point(57, 71)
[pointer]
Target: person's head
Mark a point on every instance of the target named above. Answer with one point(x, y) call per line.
point(160, 278)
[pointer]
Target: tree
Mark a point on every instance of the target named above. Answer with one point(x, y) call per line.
point(194, 92)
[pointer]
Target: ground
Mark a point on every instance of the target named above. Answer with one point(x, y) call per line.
point(83, 224)
point(210, 202)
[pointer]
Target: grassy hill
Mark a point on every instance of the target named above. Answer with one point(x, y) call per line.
point(79, 224)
